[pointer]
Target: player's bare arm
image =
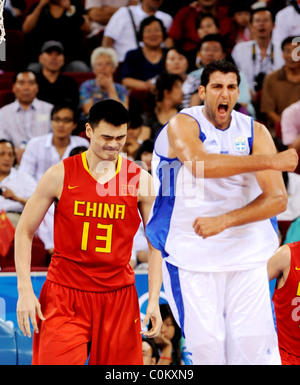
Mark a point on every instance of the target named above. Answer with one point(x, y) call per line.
point(279, 265)
point(185, 144)
point(49, 188)
point(268, 204)
point(146, 200)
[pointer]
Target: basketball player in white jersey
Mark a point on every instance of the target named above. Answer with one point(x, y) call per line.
point(219, 188)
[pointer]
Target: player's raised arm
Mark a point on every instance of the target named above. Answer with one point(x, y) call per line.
point(186, 145)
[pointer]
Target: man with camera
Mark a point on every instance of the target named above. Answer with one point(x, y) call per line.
point(260, 56)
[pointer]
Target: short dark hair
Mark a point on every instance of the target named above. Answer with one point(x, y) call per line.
point(155, 353)
point(261, 9)
point(288, 40)
point(214, 37)
point(68, 104)
point(109, 111)
point(165, 81)
point(146, 22)
point(219, 65)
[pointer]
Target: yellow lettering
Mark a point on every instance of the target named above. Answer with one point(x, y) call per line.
point(107, 239)
point(76, 206)
point(298, 290)
point(108, 211)
point(91, 208)
point(85, 235)
point(120, 211)
point(100, 210)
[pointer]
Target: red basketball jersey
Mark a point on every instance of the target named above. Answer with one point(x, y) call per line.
point(94, 226)
point(287, 306)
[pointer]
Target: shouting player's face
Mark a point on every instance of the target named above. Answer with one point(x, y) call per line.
point(106, 140)
point(220, 96)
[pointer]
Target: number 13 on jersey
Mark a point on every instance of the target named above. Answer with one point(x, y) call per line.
point(107, 238)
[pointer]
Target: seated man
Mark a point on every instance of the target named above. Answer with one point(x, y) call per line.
point(15, 186)
point(28, 116)
point(53, 86)
point(282, 87)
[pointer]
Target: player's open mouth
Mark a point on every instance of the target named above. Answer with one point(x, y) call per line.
point(222, 108)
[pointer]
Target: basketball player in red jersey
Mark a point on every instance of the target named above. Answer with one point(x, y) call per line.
point(88, 304)
point(285, 266)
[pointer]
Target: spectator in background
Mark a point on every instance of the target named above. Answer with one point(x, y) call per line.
point(150, 352)
point(143, 64)
point(168, 340)
point(121, 30)
point(12, 14)
point(60, 20)
point(183, 31)
point(177, 64)
point(27, 117)
point(104, 62)
point(260, 56)
point(54, 87)
point(16, 187)
point(290, 126)
point(207, 24)
point(282, 87)
point(45, 151)
point(166, 102)
point(99, 13)
point(240, 13)
point(287, 22)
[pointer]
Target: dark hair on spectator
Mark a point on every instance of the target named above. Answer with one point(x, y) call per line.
point(146, 146)
point(12, 146)
point(219, 65)
point(261, 9)
point(109, 111)
point(165, 81)
point(147, 21)
point(68, 104)
point(214, 37)
point(207, 15)
point(150, 341)
point(16, 74)
point(288, 40)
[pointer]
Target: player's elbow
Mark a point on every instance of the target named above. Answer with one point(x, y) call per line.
point(281, 201)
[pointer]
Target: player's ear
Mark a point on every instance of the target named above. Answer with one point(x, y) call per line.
point(201, 92)
point(88, 130)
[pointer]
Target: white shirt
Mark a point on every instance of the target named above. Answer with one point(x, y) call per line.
point(40, 154)
point(119, 28)
point(97, 27)
point(19, 125)
point(287, 23)
point(251, 66)
point(22, 185)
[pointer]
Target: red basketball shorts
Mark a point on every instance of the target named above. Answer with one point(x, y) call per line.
point(104, 326)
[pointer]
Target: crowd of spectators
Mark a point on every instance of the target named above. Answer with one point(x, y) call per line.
point(149, 55)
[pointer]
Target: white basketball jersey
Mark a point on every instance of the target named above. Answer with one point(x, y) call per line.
point(182, 198)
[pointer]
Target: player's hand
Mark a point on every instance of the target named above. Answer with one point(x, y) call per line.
point(27, 307)
point(209, 226)
point(153, 314)
point(286, 160)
